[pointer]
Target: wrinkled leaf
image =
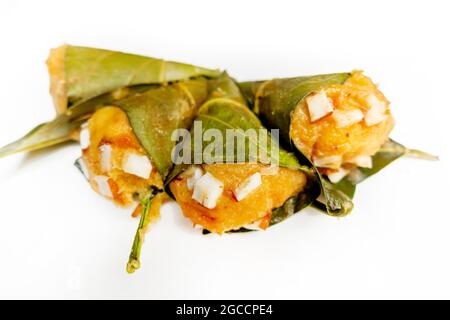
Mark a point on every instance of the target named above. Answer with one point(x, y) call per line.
point(333, 200)
point(63, 127)
point(389, 152)
point(226, 109)
point(82, 73)
point(295, 204)
point(43, 136)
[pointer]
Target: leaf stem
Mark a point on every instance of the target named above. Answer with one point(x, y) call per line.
point(134, 262)
point(414, 153)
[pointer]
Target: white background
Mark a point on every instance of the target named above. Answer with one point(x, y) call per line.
point(58, 239)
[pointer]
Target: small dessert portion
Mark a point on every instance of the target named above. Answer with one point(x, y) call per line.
point(341, 126)
point(225, 197)
point(115, 164)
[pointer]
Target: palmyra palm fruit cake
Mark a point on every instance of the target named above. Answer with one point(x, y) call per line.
point(124, 108)
point(126, 147)
point(229, 196)
point(225, 197)
point(341, 126)
point(113, 160)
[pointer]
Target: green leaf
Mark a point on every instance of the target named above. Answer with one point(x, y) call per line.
point(43, 136)
point(346, 187)
point(334, 201)
point(295, 204)
point(226, 109)
point(389, 152)
point(63, 127)
point(89, 72)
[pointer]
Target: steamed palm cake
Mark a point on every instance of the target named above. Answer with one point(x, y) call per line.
point(243, 199)
point(118, 167)
point(342, 125)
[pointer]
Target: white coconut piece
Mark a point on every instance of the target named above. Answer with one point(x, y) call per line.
point(361, 161)
point(332, 162)
point(247, 186)
point(194, 174)
point(85, 137)
point(338, 175)
point(256, 225)
point(345, 118)
point(270, 171)
point(207, 191)
point(138, 165)
point(103, 186)
point(319, 105)
point(105, 157)
point(376, 112)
